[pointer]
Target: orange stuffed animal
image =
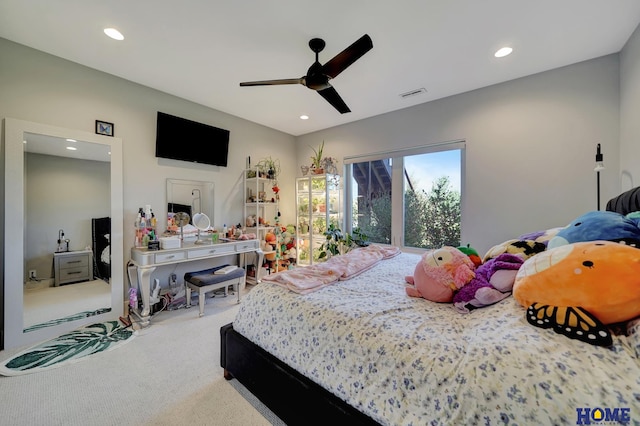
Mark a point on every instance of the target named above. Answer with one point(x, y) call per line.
point(579, 288)
point(270, 238)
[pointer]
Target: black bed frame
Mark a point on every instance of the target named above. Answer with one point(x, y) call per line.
point(294, 398)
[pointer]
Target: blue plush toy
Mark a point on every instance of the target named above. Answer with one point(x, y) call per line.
point(599, 225)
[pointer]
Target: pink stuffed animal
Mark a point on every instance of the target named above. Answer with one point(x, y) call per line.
point(439, 274)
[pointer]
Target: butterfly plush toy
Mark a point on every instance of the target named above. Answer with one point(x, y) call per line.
point(578, 289)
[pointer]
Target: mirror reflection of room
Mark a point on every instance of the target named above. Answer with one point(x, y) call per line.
point(195, 198)
point(67, 233)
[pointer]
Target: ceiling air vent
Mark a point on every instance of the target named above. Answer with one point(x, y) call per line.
point(414, 92)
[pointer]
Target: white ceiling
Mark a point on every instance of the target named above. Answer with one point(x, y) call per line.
point(201, 50)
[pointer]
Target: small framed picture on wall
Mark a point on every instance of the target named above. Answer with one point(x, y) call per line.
point(104, 128)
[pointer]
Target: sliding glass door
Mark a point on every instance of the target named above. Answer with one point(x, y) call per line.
point(409, 198)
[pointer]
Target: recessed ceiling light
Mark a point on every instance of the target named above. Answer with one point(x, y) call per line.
point(113, 33)
point(304, 117)
point(72, 148)
point(504, 51)
point(71, 140)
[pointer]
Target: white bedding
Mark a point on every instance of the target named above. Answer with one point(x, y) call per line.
point(408, 361)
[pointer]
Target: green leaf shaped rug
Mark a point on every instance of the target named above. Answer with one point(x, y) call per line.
point(68, 348)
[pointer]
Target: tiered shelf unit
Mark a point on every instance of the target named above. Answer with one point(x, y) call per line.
point(260, 202)
point(318, 203)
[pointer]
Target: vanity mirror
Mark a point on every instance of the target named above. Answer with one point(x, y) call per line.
point(192, 197)
point(202, 222)
point(63, 220)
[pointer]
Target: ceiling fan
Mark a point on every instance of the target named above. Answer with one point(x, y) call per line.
point(318, 76)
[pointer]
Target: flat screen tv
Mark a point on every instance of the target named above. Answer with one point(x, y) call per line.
point(181, 139)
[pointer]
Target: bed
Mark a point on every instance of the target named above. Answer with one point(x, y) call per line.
point(360, 351)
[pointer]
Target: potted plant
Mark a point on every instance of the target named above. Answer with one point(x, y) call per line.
point(330, 165)
point(318, 184)
point(304, 254)
point(319, 225)
point(338, 242)
point(316, 159)
point(269, 168)
point(317, 252)
point(303, 225)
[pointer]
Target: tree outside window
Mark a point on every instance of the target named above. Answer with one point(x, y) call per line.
point(431, 190)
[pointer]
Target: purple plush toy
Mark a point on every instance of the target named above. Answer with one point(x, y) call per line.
point(493, 282)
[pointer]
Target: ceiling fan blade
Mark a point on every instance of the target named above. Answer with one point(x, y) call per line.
point(274, 82)
point(348, 56)
point(334, 99)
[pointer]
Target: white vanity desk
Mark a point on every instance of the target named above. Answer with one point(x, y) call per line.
point(146, 262)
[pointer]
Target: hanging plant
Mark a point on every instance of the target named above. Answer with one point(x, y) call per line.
point(269, 168)
point(330, 165)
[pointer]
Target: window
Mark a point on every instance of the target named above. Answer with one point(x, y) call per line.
point(408, 198)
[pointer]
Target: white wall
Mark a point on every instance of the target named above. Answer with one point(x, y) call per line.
point(629, 112)
point(42, 88)
point(530, 146)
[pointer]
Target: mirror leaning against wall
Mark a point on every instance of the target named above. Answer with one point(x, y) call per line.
point(63, 216)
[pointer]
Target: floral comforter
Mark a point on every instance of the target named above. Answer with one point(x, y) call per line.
point(408, 361)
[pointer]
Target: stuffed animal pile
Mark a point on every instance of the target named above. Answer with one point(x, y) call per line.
point(457, 275)
point(579, 280)
point(493, 282)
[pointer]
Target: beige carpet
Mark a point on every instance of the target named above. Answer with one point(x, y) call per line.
point(168, 375)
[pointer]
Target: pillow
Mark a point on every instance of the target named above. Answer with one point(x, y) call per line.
point(579, 288)
point(522, 248)
point(599, 225)
point(541, 236)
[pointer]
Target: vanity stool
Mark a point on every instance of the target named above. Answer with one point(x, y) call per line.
point(207, 280)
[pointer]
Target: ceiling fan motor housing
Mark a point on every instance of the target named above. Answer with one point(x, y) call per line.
point(317, 45)
point(315, 78)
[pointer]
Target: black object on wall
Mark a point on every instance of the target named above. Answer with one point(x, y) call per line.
point(181, 139)
point(101, 236)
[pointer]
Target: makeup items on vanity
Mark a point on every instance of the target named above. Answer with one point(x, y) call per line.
point(145, 228)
